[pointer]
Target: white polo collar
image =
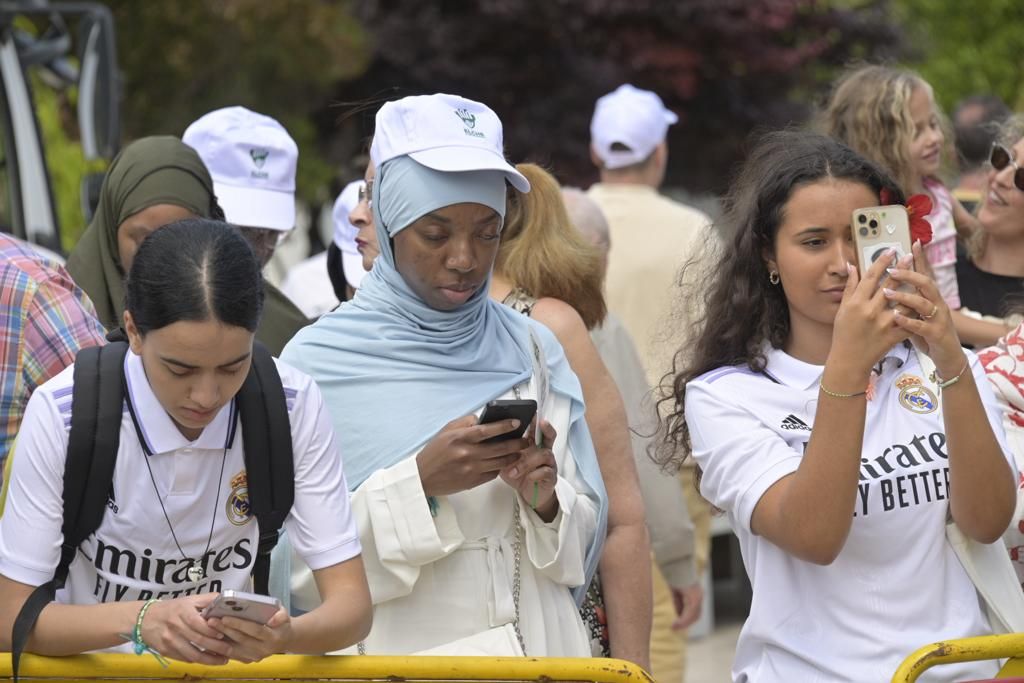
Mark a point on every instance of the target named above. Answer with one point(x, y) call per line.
point(785, 369)
point(157, 431)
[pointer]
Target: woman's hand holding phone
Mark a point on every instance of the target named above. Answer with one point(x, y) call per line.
point(865, 327)
point(535, 473)
point(251, 641)
point(457, 459)
point(931, 329)
point(175, 629)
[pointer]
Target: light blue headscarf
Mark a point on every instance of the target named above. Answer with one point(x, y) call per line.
point(395, 371)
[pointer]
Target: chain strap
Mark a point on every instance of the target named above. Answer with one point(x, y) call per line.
point(517, 552)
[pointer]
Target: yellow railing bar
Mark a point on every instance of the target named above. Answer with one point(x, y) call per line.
point(1001, 646)
point(125, 667)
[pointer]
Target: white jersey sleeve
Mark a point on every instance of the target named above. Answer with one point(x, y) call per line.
point(30, 526)
point(321, 526)
point(740, 455)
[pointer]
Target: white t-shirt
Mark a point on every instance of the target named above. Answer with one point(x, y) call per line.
point(897, 584)
point(133, 556)
point(309, 286)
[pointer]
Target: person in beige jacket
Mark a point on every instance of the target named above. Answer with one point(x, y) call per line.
point(678, 595)
point(652, 237)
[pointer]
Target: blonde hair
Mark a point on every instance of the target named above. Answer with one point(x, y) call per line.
point(870, 111)
point(543, 253)
point(1010, 132)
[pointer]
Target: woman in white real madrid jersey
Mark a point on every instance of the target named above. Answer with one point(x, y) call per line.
point(833, 453)
point(194, 298)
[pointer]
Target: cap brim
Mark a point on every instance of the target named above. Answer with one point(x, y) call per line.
point(256, 208)
point(470, 159)
point(353, 266)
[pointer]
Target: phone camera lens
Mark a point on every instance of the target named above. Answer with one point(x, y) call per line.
point(862, 219)
point(873, 223)
point(230, 603)
point(863, 231)
point(237, 608)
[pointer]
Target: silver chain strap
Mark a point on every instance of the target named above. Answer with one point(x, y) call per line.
point(517, 552)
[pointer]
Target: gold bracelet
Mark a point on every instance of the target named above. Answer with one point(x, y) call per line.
point(949, 382)
point(836, 394)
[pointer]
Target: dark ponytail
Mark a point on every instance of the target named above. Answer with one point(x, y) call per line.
point(196, 269)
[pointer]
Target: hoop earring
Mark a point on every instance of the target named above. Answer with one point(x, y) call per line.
point(773, 277)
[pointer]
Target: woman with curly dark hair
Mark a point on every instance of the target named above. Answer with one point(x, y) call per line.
point(807, 400)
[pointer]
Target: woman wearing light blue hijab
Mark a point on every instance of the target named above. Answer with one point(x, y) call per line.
point(405, 368)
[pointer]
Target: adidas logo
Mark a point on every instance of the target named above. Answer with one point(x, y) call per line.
point(794, 422)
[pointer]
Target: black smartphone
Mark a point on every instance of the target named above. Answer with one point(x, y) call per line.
point(509, 409)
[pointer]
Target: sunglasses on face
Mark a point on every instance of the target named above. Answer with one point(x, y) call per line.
point(1000, 158)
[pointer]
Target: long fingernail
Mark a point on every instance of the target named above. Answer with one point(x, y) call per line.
point(887, 291)
point(893, 271)
point(514, 472)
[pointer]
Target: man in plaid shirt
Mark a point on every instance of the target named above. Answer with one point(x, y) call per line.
point(44, 320)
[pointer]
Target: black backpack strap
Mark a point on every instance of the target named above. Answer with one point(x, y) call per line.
point(96, 411)
point(270, 474)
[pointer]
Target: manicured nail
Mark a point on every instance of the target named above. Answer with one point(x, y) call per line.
point(893, 271)
point(887, 291)
point(514, 472)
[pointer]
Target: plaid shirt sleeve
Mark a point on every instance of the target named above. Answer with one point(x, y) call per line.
point(47, 319)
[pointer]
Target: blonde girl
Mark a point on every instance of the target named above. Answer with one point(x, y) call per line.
point(889, 116)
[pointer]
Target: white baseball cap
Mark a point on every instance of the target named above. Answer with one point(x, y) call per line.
point(635, 118)
point(252, 160)
point(345, 233)
point(445, 133)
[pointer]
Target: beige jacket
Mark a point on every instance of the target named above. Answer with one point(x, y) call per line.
point(651, 238)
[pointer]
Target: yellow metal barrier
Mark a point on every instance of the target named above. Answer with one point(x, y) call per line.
point(295, 668)
point(1006, 646)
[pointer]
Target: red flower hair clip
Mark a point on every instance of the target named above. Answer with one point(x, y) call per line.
point(918, 207)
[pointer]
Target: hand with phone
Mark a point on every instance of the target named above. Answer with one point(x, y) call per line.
point(535, 473)
point(929, 321)
point(463, 456)
point(255, 626)
point(176, 629)
point(865, 327)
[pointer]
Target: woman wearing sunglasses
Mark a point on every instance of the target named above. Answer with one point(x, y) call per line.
point(999, 272)
point(991, 277)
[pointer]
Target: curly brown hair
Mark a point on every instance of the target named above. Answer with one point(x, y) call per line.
point(738, 309)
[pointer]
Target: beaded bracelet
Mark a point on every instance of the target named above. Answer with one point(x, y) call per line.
point(139, 645)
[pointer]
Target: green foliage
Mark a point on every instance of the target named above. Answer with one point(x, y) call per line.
point(65, 162)
point(968, 48)
point(281, 58)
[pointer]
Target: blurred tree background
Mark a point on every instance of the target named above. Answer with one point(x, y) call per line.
point(727, 67)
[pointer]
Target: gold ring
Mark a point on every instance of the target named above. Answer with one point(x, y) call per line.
point(935, 309)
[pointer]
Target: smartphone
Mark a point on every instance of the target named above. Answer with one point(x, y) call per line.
point(877, 229)
point(249, 606)
point(509, 409)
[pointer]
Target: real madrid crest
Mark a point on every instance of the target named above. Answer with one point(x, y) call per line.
point(915, 396)
point(238, 508)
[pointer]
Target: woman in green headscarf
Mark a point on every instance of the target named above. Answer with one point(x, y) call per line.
point(152, 182)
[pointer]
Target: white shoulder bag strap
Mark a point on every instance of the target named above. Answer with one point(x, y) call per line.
point(987, 564)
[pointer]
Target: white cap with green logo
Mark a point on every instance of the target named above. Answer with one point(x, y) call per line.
point(445, 133)
point(252, 161)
